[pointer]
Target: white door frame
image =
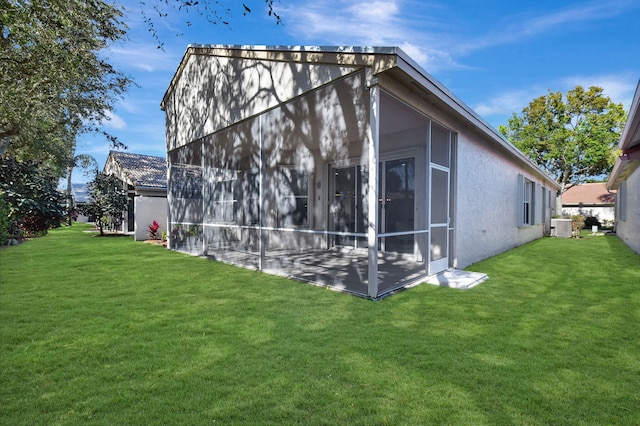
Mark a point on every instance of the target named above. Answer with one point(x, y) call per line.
point(442, 263)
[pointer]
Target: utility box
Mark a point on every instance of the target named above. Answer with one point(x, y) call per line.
point(561, 228)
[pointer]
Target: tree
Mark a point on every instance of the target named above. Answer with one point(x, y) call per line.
point(108, 201)
point(54, 81)
point(32, 203)
point(573, 138)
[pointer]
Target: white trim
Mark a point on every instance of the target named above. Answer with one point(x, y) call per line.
point(372, 183)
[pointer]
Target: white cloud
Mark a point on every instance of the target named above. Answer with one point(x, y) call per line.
point(146, 67)
point(380, 23)
point(374, 12)
point(421, 29)
point(619, 87)
point(345, 22)
point(144, 56)
point(587, 11)
point(114, 121)
point(521, 27)
point(508, 102)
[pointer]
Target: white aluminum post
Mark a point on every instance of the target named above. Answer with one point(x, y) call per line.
point(203, 172)
point(261, 203)
point(372, 198)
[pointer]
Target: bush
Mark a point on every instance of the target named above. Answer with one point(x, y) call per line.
point(577, 224)
point(31, 196)
point(4, 220)
point(153, 230)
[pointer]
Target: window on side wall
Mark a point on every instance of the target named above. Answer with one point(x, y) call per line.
point(622, 201)
point(526, 199)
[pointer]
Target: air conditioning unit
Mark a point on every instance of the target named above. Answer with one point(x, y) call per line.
point(561, 228)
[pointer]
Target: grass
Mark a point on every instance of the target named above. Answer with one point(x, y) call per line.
point(109, 331)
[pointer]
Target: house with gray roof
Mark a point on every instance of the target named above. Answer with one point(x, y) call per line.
point(347, 167)
point(145, 179)
point(625, 178)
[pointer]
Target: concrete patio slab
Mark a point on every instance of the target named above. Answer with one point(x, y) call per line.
point(455, 278)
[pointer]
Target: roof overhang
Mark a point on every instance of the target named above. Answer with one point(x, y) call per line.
point(629, 159)
point(150, 189)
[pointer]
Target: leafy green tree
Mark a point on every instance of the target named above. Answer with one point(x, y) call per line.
point(108, 201)
point(54, 79)
point(572, 137)
point(32, 202)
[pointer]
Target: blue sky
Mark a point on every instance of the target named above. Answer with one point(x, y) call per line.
point(496, 56)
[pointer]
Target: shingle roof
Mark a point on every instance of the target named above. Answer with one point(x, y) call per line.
point(588, 194)
point(145, 171)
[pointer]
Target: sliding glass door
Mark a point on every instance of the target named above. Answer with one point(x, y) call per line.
point(348, 206)
point(396, 205)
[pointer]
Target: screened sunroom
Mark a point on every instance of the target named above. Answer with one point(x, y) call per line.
point(341, 184)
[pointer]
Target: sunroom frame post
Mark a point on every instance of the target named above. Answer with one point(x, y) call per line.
point(261, 200)
point(373, 141)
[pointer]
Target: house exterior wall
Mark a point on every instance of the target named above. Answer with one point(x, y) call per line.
point(148, 209)
point(628, 211)
point(215, 91)
point(488, 207)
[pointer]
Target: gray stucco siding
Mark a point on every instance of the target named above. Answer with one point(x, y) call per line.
point(487, 203)
point(216, 92)
point(627, 229)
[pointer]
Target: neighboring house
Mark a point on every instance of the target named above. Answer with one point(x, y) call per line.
point(625, 178)
point(590, 200)
point(348, 167)
point(145, 179)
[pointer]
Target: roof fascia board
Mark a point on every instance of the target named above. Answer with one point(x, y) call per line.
point(633, 123)
point(622, 165)
point(152, 188)
point(613, 181)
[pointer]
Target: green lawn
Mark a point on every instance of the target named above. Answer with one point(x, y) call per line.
point(109, 331)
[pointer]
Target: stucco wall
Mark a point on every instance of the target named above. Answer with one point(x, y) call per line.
point(487, 205)
point(148, 209)
point(216, 92)
point(600, 213)
point(629, 230)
